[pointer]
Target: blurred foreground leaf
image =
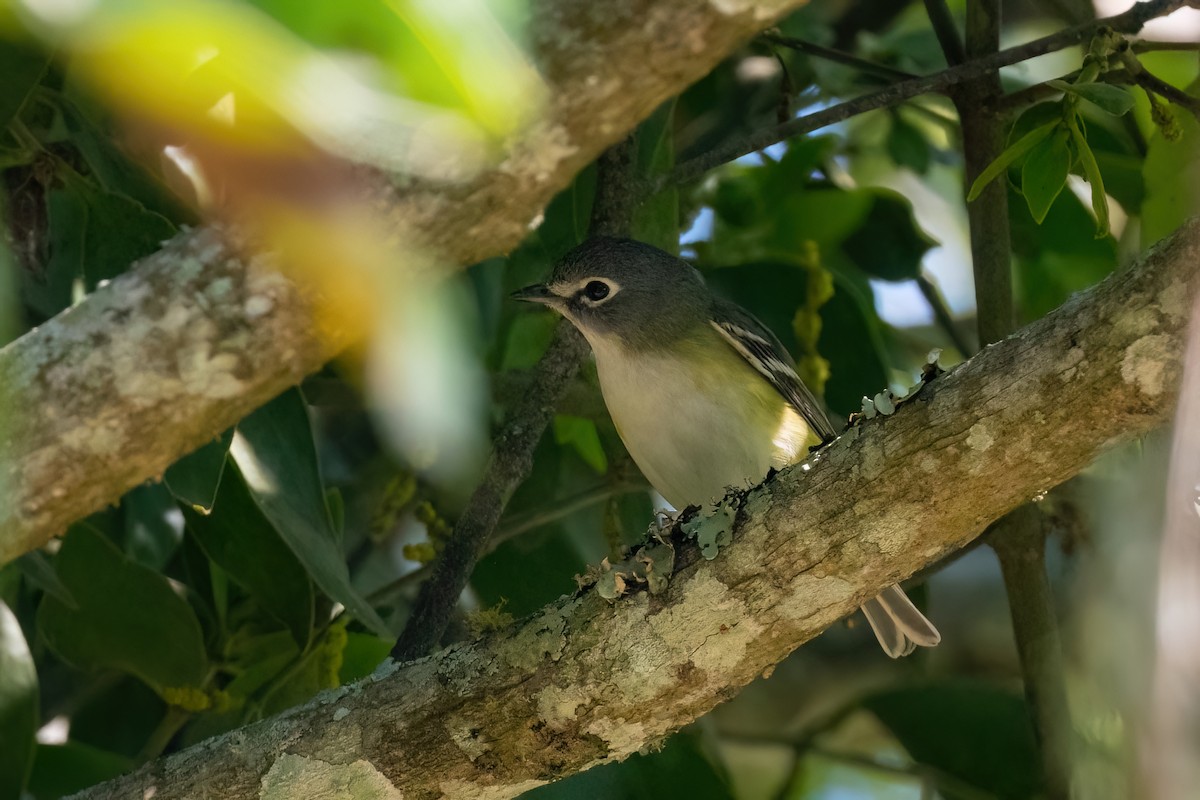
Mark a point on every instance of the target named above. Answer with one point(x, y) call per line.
point(18, 706)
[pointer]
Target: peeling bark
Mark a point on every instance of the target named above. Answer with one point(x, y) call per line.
point(585, 682)
point(145, 370)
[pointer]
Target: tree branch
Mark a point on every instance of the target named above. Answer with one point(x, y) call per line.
point(1130, 21)
point(108, 394)
point(512, 452)
point(585, 682)
point(1019, 539)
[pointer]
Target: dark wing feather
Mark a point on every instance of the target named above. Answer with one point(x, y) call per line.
point(755, 343)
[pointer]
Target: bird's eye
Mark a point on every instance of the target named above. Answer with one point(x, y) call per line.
point(596, 291)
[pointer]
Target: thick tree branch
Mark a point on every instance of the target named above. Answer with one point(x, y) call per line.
point(585, 682)
point(110, 393)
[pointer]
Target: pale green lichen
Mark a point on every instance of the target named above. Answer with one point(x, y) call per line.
point(299, 776)
point(712, 529)
point(1145, 364)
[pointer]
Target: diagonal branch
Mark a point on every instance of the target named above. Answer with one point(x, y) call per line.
point(1130, 21)
point(108, 394)
point(584, 682)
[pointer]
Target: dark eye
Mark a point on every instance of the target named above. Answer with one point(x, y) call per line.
point(596, 290)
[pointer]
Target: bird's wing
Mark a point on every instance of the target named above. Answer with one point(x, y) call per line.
point(755, 342)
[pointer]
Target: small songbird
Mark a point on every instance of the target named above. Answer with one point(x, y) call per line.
point(703, 395)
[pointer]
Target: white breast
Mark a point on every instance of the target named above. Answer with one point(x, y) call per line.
point(693, 437)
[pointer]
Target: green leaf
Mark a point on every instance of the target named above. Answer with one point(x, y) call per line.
point(1091, 171)
point(316, 670)
point(50, 292)
point(581, 436)
point(273, 449)
point(656, 219)
point(528, 337)
point(1057, 258)
point(1172, 173)
point(194, 479)
point(975, 732)
point(118, 715)
point(18, 706)
point(142, 231)
point(1044, 173)
point(153, 528)
point(1009, 157)
point(362, 655)
point(889, 244)
point(63, 769)
point(679, 769)
point(240, 540)
point(37, 570)
point(1115, 100)
point(907, 146)
point(129, 618)
point(22, 67)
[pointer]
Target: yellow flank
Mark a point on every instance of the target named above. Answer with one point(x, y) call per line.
point(696, 417)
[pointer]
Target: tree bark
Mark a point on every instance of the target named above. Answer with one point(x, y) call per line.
point(585, 681)
point(148, 368)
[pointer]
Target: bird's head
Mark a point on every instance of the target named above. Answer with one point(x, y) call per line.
point(624, 290)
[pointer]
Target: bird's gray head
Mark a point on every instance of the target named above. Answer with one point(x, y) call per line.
point(620, 288)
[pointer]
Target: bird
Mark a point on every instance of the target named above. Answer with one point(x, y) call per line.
point(702, 394)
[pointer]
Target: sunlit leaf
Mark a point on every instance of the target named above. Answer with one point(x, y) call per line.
point(1044, 173)
point(274, 452)
point(240, 539)
point(129, 618)
point(1091, 171)
point(18, 706)
point(1115, 100)
point(195, 478)
point(1010, 156)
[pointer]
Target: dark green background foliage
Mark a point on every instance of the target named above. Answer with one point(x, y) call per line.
point(279, 559)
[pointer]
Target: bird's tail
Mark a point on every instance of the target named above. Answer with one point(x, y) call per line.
point(899, 626)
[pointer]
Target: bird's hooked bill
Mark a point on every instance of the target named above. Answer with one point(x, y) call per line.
point(538, 293)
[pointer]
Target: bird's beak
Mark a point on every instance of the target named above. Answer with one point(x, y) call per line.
point(538, 293)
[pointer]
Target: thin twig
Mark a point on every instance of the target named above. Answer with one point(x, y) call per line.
point(837, 56)
point(1019, 540)
point(1153, 83)
point(942, 314)
point(1148, 46)
point(512, 454)
point(1130, 21)
point(945, 27)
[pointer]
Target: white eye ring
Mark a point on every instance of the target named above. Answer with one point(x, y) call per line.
point(595, 291)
